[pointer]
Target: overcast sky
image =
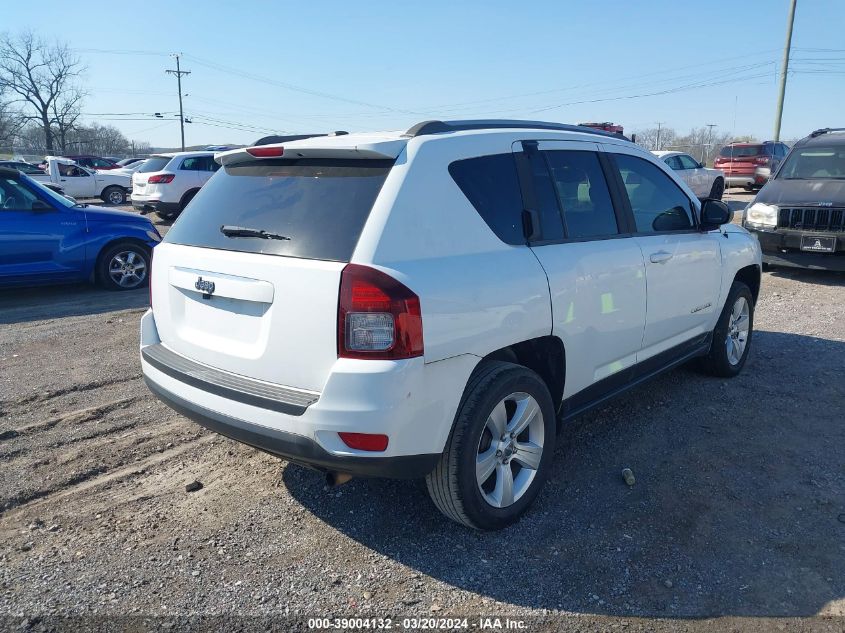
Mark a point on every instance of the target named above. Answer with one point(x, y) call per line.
point(262, 67)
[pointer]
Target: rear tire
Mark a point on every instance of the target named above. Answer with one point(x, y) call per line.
point(123, 266)
point(113, 195)
point(732, 334)
point(186, 199)
point(717, 189)
point(500, 450)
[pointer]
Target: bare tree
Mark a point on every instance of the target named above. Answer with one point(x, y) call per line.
point(649, 138)
point(65, 113)
point(98, 139)
point(37, 74)
point(10, 122)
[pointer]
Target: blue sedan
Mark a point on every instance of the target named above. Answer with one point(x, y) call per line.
point(46, 238)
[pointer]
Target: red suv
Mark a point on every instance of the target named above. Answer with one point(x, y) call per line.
point(749, 165)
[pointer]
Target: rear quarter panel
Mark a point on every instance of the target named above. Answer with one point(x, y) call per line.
point(477, 293)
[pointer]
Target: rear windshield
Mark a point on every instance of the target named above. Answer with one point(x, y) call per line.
point(817, 162)
point(156, 163)
point(741, 151)
point(321, 205)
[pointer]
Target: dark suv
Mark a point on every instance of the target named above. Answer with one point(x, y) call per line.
point(749, 165)
point(93, 162)
point(799, 216)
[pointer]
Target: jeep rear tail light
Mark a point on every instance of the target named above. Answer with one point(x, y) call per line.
point(161, 179)
point(378, 317)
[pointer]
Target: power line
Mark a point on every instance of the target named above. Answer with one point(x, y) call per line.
point(273, 82)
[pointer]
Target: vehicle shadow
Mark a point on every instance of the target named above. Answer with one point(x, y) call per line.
point(738, 506)
point(20, 305)
point(817, 277)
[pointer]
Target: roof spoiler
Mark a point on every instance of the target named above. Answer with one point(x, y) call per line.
point(275, 138)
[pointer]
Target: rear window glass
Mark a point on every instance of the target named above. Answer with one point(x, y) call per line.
point(741, 151)
point(156, 163)
point(321, 205)
point(491, 185)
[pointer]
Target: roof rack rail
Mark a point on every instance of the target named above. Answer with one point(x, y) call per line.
point(275, 138)
point(825, 130)
point(439, 127)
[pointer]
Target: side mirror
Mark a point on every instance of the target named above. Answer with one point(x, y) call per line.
point(714, 213)
point(39, 206)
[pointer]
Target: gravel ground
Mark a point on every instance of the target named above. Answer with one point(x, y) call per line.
point(737, 513)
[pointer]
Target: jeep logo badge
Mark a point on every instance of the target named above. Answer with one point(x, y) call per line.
point(205, 287)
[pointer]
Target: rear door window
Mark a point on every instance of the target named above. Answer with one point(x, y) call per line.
point(491, 185)
point(320, 205)
point(687, 162)
point(584, 197)
point(194, 163)
point(658, 204)
point(674, 163)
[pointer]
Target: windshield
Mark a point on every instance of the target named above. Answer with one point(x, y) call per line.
point(57, 197)
point(310, 208)
point(156, 163)
point(741, 151)
point(813, 163)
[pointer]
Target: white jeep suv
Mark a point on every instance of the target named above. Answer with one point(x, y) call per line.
point(166, 183)
point(438, 303)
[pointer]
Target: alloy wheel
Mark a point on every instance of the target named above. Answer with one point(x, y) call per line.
point(128, 269)
point(510, 450)
point(738, 326)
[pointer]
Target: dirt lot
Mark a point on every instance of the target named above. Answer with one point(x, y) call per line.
point(738, 510)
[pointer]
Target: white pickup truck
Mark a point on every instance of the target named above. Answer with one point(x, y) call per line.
point(79, 182)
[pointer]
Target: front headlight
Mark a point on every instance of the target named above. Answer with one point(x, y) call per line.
point(763, 215)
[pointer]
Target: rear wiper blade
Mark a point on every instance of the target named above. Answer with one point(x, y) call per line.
point(243, 231)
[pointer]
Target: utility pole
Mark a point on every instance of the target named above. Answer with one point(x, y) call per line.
point(784, 68)
point(179, 72)
point(709, 142)
point(659, 125)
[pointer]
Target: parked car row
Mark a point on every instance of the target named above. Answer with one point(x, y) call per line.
point(430, 303)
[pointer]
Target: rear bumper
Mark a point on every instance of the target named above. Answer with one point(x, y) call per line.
point(297, 448)
point(412, 402)
point(782, 248)
point(157, 206)
point(744, 180)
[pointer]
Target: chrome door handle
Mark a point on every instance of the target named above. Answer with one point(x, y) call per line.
point(660, 257)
